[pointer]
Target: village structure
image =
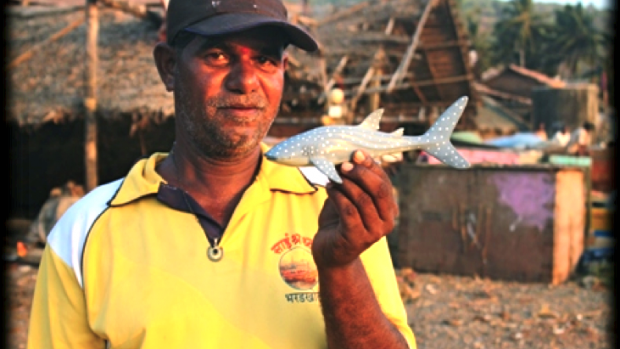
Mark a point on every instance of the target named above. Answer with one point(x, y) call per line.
point(86, 101)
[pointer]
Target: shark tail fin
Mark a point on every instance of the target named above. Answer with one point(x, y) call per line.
point(438, 136)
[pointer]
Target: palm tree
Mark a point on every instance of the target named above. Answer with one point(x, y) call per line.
point(577, 40)
point(517, 31)
point(540, 54)
point(480, 39)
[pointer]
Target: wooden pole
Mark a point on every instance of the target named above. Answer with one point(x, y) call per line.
point(360, 91)
point(404, 64)
point(332, 80)
point(372, 70)
point(90, 99)
point(374, 99)
point(323, 65)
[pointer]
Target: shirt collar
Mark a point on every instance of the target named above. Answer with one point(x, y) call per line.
point(283, 178)
point(143, 179)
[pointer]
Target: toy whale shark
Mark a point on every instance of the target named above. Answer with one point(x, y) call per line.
point(324, 147)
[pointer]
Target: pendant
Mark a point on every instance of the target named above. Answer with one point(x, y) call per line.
point(215, 253)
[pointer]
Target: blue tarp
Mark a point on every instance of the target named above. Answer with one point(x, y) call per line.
point(521, 140)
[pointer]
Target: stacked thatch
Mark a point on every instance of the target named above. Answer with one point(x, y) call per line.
point(49, 86)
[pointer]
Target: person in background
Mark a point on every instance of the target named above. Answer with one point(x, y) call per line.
point(581, 139)
point(562, 136)
point(59, 201)
point(541, 132)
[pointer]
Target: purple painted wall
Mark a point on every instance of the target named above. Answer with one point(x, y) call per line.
point(529, 195)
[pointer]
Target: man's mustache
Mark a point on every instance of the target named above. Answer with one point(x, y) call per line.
point(255, 101)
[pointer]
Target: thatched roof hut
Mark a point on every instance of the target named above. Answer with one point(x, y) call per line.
point(409, 57)
point(50, 85)
point(513, 85)
point(45, 109)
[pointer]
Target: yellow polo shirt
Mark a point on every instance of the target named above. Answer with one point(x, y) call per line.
point(122, 269)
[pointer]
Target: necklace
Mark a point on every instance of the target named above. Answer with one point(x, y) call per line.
point(214, 252)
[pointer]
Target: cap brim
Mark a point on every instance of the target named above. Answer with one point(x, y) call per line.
point(229, 23)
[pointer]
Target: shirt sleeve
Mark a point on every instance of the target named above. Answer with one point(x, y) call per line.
point(58, 318)
point(380, 270)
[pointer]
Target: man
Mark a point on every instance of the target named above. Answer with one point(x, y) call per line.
point(212, 245)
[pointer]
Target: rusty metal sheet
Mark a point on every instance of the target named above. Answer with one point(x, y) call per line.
point(506, 222)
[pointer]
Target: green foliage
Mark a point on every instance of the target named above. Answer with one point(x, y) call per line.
point(576, 40)
point(519, 32)
point(480, 39)
point(547, 37)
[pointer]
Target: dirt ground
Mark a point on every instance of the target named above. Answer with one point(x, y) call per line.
point(19, 284)
point(467, 312)
point(444, 311)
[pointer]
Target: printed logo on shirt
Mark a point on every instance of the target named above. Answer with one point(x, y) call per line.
point(297, 267)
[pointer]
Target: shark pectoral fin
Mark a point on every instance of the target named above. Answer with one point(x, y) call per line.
point(327, 167)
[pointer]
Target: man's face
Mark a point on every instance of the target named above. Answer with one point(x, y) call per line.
point(228, 91)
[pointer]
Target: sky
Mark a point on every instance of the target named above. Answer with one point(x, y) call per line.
point(600, 4)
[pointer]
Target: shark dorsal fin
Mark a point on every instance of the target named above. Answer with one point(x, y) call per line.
point(398, 133)
point(372, 120)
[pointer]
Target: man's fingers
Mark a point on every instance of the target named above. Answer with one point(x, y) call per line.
point(356, 236)
point(372, 183)
point(363, 158)
point(349, 216)
point(370, 219)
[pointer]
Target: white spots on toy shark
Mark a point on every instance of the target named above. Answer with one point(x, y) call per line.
point(324, 147)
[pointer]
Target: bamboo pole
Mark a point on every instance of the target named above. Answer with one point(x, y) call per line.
point(372, 70)
point(341, 64)
point(332, 80)
point(404, 64)
point(374, 99)
point(390, 26)
point(30, 52)
point(90, 99)
point(360, 91)
point(323, 65)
